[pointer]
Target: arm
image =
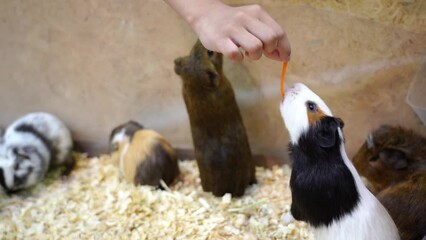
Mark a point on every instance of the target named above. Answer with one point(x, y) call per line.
point(222, 28)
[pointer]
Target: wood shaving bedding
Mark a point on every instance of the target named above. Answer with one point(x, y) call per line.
point(94, 203)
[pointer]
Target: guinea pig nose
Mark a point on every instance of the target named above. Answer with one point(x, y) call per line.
point(178, 65)
point(178, 61)
point(297, 86)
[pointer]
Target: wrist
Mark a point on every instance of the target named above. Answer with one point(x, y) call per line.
point(195, 15)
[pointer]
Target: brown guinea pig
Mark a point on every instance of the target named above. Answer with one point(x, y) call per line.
point(145, 157)
point(406, 203)
point(390, 155)
point(220, 141)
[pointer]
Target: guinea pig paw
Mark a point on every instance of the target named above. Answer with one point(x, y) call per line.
point(287, 219)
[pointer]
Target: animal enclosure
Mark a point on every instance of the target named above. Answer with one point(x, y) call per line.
point(97, 64)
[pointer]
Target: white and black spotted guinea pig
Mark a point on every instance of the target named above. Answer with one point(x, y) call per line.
point(30, 147)
point(327, 191)
point(145, 157)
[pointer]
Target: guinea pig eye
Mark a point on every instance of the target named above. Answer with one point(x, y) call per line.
point(114, 147)
point(210, 53)
point(312, 106)
point(19, 161)
point(373, 158)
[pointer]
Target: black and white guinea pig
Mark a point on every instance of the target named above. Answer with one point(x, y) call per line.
point(31, 146)
point(327, 191)
point(145, 157)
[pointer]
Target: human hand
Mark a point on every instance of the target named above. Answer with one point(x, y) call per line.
point(225, 29)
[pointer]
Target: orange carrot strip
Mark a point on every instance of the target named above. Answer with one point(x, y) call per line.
point(283, 77)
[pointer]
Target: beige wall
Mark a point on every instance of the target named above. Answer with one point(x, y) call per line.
point(96, 64)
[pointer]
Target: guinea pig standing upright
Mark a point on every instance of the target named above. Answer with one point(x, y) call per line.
point(393, 161)
point(327, 191)
point(221, 146)
point(145, 157)
point(31, 146)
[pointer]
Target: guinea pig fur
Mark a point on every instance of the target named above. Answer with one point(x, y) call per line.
point(393, 161)
point(31, 146)
point(327, 191)
point(389, 156)
point(406, 203)
point(145, 157)
point(220, 141)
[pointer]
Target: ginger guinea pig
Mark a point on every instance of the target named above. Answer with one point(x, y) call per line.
point(30, 147)
point(327, 191)
point(390, 155)
point(145, 157)
point(220, 141)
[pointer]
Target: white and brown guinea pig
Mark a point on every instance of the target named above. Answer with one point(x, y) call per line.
point(30, 147)
point(327, 191)
point(145, 157)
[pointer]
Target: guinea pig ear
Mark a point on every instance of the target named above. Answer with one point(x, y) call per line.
point(327, 134)
point(393, 158)
point(370, 141)
point(340, 122)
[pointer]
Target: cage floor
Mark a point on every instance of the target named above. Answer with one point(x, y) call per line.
point(94, 203)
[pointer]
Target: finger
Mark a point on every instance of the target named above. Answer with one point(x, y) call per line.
point(228, 48)
point(264, 33)
point(284, 48)
point(264, 17)
point(249, 43)
point(265, 28)
point(269, 21)
point(282, 51)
